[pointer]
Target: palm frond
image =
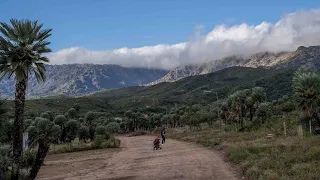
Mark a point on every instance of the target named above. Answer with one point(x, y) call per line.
point(21, 49)
point(44, 34)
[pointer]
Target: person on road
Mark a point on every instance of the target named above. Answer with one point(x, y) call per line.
point(163, 135)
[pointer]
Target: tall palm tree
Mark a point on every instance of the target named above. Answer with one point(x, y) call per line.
point(257, 96)
point(3, 109)
point(306, 87)
point(21, 49)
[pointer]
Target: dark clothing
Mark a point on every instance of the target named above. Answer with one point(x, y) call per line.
point(163, 133)
point(163, 139)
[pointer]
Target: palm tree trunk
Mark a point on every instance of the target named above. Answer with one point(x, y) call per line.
point(2, 175)
point(317, 118)
point(20, 95)
point(251, 114)
point(41, 154)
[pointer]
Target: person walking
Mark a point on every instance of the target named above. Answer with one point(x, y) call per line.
point(163, 135)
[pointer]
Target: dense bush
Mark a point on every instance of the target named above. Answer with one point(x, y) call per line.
point(100, 130)
point(84, 133)
point(113, 127)
point(60, 120)
point(72, 129)
point(32, 133)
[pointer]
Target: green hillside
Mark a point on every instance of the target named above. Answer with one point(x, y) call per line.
point(202, 88)
point(190, 90)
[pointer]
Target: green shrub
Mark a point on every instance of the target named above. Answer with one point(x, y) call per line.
point(28, 158)
point(107, 136)
point(84, 133)
point(72, 129)
point(44, 125)
point(72, 113)
point(89, 118)
point(32, 133)
point(100, 130)
point(45, 115)
point(113, 127)
point(27, 123)
point(60, 120)
point(55, 133)
point(98, 141)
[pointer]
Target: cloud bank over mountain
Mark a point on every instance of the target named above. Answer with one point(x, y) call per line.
point(301, 28)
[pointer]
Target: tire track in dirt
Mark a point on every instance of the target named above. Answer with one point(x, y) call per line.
point(138, 161)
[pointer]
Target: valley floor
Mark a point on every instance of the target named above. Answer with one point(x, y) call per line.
point(138, 160)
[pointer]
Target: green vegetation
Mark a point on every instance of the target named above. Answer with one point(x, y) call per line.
point(269, 143)
point(21, 51)
point(261, 157)
point(266, 120)
point(21, 56)
point(188, 91)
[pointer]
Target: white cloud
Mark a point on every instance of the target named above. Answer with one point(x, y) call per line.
point(290, 32)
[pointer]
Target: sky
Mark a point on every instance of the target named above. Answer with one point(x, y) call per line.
point(168, 33)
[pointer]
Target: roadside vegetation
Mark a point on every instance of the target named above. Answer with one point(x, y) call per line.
point(268, 126)
point(21, 56)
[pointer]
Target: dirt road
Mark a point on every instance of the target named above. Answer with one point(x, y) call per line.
point(138, 161)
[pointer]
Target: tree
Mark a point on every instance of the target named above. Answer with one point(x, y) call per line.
point(27, 123)
point(47, 132)
point(89, 118)
point(165, 119)
point(84, 133)
point(306, 88)
point(45, 115)
point(287, 107)
point(72, 129)
point(113, 127)
point(21, 49)
point(100, 130)
point(3, 110)
point(3, 128)
point(72, 113)
point(238, 100)
point(257, 96)
point(61, 120)
point(263, 112)
point(32, 133)
point(77, 107)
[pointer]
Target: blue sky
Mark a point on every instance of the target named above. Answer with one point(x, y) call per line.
point(112, 24)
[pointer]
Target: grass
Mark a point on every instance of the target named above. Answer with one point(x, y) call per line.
point(277, 158)
point(75, 146)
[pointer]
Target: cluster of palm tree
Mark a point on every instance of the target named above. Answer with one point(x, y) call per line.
point(243, 105)
point(246, 108)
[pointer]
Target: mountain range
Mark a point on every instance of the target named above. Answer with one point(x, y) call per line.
point(78, 79)
point(303, 57)
point(81, 79)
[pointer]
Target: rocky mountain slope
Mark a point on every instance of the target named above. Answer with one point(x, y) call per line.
point(302, 57)
point(76, 79)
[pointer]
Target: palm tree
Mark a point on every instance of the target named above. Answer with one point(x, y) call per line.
point(3, 108)
point(306, 87)
point(256, 97)
point(238, 100)
point(21, 49)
